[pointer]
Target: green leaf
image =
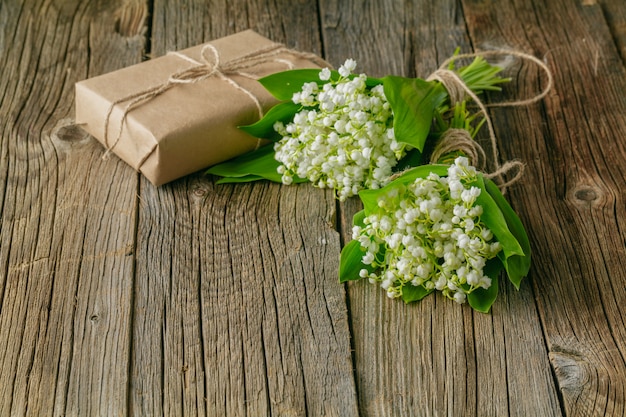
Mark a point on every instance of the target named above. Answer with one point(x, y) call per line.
point(264, 128)
point(252, 166)
point(500, 218)
point(283, 85)
point(351, 262)
point(494, 219)
point(481, 299)
point(371, 82)
point(242, 179)
point(413, 158)
point(358, 218)
point(352, 255)
point(370, 197)
point(410, 175)
point(518, 265)
point(414, 102)
point(411, 293)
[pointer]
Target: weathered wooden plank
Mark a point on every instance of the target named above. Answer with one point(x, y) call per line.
point(67, 222)
point(238, 310)
point(294, 23)
point(241, 312)
point(615, 15)
point(571, 195)
point(433, 358)
point(235, 307)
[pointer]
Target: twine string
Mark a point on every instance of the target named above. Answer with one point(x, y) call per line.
point(460, 140)
point(210, 66)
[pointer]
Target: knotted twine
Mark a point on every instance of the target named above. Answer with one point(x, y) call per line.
point(209, 66)
point(460, 139)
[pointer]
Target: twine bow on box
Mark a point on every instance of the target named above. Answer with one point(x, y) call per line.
point(210, 66)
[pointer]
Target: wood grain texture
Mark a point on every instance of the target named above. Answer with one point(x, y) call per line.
point(434, 358)
point(68, 219)
point(615, 15)
point(571, 197)
point(242, 314)
point(237, 301)
point(119, 298)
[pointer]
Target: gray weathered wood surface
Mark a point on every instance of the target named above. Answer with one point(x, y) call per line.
point(119, 298)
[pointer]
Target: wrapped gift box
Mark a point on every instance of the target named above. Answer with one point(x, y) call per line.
point(174, 115)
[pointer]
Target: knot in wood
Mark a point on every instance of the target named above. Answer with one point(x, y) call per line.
point(198, 188)
point(199, 192)
point(65, 131)
point(586, 194)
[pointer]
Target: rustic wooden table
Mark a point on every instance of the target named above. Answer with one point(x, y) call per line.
point(119, 298)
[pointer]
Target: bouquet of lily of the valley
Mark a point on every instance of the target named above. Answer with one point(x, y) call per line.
point(344, 131)
point(424, 227)
point(442, 227)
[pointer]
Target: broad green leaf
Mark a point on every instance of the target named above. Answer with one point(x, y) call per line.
point(373, 82)
point(410, 175)
point(252, 178)
point(264, 128)
point(481, 299)
point(252, 166)
point(514, 258)
point(351, 262)
point(494, 219)
point(413, 101)
point(411, 293)
point(370, 197)
point(518, 265)
point(413, 158)
point(283, 85)
point(352, 255)
point(236, 180)
point(358, 218)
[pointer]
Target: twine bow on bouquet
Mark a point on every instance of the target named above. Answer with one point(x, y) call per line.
point(431, 219)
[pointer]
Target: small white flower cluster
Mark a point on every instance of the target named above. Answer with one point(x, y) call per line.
point(429, 234)
point(342, 138)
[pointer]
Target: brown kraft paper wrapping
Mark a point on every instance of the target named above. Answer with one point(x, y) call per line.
point(189, 126)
